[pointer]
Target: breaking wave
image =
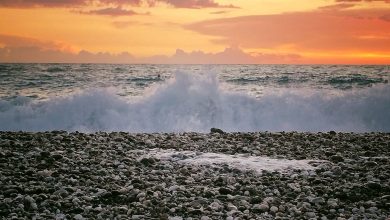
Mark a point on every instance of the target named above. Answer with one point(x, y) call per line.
point(189, 102)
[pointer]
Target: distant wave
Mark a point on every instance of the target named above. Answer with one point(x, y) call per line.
point(355, 79)
point(55, 69)
point(263, 79)
point(198, 102)
point(336, 81)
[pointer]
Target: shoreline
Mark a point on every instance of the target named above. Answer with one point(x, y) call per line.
point(113, 175)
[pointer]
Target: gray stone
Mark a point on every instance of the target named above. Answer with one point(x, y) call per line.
point(263, 207)
point(274, 209)
point(78, 217)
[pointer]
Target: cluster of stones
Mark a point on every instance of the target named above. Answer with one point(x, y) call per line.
point(60, 175)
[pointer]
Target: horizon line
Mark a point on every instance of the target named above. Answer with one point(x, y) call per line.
point(120, 63)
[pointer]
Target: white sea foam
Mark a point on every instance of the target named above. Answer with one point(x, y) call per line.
point(238, 161)
point(198, 102)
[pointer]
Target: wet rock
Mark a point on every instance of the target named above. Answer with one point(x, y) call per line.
point(45, 154)
point(30, 203)
point(57, 156)
point(370, 164)
point(147, 161)
point(310, 214)
point(336, 158)
point(263, 207)
point(224, 191)
point(231, 207)
point(196, 211)
point(10, 192)
point(332, 203)
point(373, 185)
point(216, 130)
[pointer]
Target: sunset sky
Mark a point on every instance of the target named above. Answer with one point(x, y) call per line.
point(196, 31)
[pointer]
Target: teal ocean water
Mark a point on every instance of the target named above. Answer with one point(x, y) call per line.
point(183, 98)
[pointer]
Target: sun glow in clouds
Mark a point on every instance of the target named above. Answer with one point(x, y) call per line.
point(192, 31)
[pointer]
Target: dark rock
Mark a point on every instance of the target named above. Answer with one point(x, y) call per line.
point(369, 153)
point(45, 154)
point(336, 158)
point(196, 212)
point(374, 185)
point(10, 192)
point(370, 164)
point(216, 130)
point(386, 198)
point(259, 208)
point(220, 181)
point(147, 161)
point(329, 153)
point(256, 199)
point(4, 209)
point(57, 156)
point(77, 210)
point(224, 191)
point(209, 194)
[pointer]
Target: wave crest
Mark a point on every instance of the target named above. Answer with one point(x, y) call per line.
point(198, 102)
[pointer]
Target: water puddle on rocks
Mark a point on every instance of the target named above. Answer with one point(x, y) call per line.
point(238, 161)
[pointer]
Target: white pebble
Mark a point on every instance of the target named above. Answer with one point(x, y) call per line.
point(215, 206)
point(78, 217)
point(310, 214)
point(274, 209)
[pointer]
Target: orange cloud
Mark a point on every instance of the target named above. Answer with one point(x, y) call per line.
point(114, 12)
point(124, 24)
point(24, 49)
point(42, 3)
point(325, 31)
point(385, 1)
point(37, 55)
point(11, 41)
point(337, 6)
point(218, 12)
point(232, 55)
point(19, 49)
point(385, 17)
point(193, 4)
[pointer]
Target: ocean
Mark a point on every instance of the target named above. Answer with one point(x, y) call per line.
point(194, 98)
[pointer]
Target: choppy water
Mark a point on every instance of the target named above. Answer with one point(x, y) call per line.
point(175, 98)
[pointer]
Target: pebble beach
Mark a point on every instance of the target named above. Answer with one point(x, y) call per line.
point(216, 175)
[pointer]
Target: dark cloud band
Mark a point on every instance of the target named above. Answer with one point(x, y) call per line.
point(78, 3)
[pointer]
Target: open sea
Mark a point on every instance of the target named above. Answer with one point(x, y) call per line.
point(184, 98)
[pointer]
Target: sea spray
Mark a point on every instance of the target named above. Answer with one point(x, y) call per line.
point(197, 102)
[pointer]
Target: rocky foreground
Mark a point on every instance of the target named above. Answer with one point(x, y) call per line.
point(111, 176)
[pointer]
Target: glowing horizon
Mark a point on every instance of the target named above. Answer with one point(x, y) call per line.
point(193, 31)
